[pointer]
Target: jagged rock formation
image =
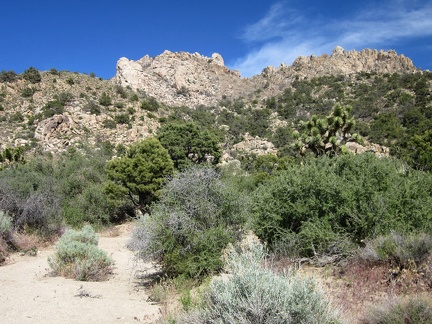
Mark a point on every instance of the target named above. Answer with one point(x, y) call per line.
point(192, 79)
point(181, 78)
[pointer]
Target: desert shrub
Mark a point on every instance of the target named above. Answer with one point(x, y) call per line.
point(64, 97)
point(196, 217)
point(105, 99)
point(325, 202)
point(121, 91)
point(122, 118)
point(253, 293)
point(92, 107)
point(17, 117)
point(32, 75)
point(121, 105)
point(89, 206)
point(54, 71)
point(401, 311)
point(7, 76)
point(41, 212)
point(5, 224)
point(28, 92)
point(77, 256)
point(52, 108)
point(109, 123)
point(79, 178)
point(150, 104)
point(401, 250)
point(43, 193)
point(28, 195)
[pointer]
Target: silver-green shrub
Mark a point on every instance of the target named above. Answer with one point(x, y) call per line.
point(197, 215)
point(5, 223)
point(253, 293)
point(78, 256)
point(400, 311)
point(404, 250)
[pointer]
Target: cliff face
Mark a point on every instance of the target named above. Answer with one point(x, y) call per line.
point(192, 79)
point(181, 78)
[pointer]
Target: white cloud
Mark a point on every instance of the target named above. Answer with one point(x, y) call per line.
point(276, 23)
point(284, 34)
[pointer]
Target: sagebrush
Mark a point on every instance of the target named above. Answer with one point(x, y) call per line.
point(416, 310)
point(78, 256)
point(252, 293)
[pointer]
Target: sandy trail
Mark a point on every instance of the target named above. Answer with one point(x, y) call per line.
point(28, 295)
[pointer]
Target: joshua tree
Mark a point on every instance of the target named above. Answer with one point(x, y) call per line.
point(327, 135)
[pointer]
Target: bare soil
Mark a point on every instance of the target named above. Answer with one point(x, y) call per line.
point(28, 294)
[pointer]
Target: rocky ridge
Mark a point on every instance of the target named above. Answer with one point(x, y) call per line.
point(181, 78)
point(174, 79)
point(193, 79)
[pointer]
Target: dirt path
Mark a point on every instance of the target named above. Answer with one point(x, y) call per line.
point(28, 295)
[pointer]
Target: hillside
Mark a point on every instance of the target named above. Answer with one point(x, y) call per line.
point(64, 109)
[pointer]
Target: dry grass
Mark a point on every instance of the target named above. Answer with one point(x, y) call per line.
point(24, 243)
point(356, 285)
point(3, 250)
point(117, 230)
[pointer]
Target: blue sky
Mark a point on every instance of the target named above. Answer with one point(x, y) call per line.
point(90, 36)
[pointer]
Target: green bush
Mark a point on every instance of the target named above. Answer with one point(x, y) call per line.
point(150, 104)
point(7, 76)
point(32, 75)
point(64, 97)
point(324, 203)
point(54, 71)
point(188, 144)
point(93, 108)
point(105, 99)
point(122, 118)
point(414, 310)
point(109, 123)
point(29, 197)
point(5, 224)
point(404, 251)
point(77, 256)
point(44, 192)
point(28, 92)
point(121, 91)
point(52, 108)
point(196, 217)
point(80, 179)
point(253, 293)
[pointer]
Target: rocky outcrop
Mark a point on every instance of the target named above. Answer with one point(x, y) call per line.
point(193, 79)
point(340, 62)
point(181, 78)
point(250, 145)
point(376, 149)
point(349, 62)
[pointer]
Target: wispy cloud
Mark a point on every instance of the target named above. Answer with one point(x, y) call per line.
point(279, 22)
point(285, 33)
